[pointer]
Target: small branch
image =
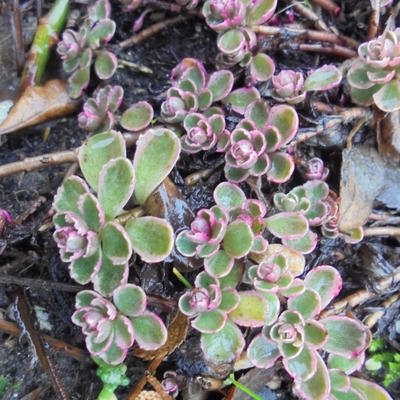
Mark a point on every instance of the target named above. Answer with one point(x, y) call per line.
point(372, 319)
point(310, 15)
point(382, 231)
point(18, 37)
point(328, 5)
point(324, 108)
point(153, 381)
point(374, 19)
point(152, 30)
point(39, 284)
point(162, 5)
point(332, 49)
point(74, 352)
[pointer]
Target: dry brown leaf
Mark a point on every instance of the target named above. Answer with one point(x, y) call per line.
point(39, 104)
point(177, 331)
point(388, 136)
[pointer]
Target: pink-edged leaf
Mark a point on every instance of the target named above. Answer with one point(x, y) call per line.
point(233, 278)
point(151, 237)
point(281, 167)
point(210, 321)
point(130, 299)
point(295, 260)
point(304, 245)
point(150, 331)
point(91, 211)
point(229, 300)
point(116, 184)
point(223, 346)
point(239, 99)
point(252, 310)
point(228, 196)
point(156, 154)
point(318, 386)
point(308, 304)
point(388, 97)
point(325, 280)
point(370, 390)
point(315, 334)
point(261, 11)
point(339, 380)
point(357, 76)
point(324, 78)
point(123, 332)
point(114, 355)
point(238, 239)
point(84, 269)
point(137, 117)
point(185, 245)
point(231, 41)
point(296, 288)
point(66, 198)
point(263, 352)
point(97, 151)
point(262, 67)
point(273, 308)
point(288, 225)
point(284, 118)
point(78, 82)
point(346, 337)
point(257, 112)
point(101, 32)
point(115, 243)
point(85, 297)
point(303, 366)
point(219, 264)
point(347, 365)
point(105, 65)
point(220, 84)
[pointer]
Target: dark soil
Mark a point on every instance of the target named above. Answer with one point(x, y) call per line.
point(29, 252)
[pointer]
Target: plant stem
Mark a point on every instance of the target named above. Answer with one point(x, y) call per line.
point(243, 388)
point(45, 37)
point(328, 5)
point(184, 281)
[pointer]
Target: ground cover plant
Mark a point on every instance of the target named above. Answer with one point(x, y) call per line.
point(216, 226)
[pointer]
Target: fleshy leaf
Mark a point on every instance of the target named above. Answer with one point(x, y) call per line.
point(281, 167)
point(262, 67)
point(137, 117)
point(233, 278)
point(219, 264)
point(257, 112)
point(150, 331)
point(324, 78)
point(105, 65)
point(288, 225)
point(326, 281)
point(115, 243)
point(388, 97)
point(91, 211)
point(220, 84)
point(238, 239)
point(346, 337)
point(130, 300)
point(303, 366)
point(239, 99)
point(304, 245)
point(109, 277)
point(185, 245)
point(347, 365)
point(84, 269)
point(156, 154)
point(284, 118)
point(252, 310)
point(229, 196)
point(261, 11)
point(315, 334)
point(78, 82)
point(116, 184)
point(223, 346)
point(230, 41)
point(230, 300)
point(101, 32)
point(152, 238)
point(273, 307)
point(296, 261)
point(370, 390)
point(97, 151)
point(210, 321)
point(68, 194)
point(263, 352)
point(308, 304)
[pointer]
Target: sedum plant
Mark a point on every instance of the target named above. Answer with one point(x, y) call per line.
point(111, 328)
point(100, 112)
point(373, 76)
point(290, 87)
point(79, 49)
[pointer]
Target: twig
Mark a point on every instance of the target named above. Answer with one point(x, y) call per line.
point(288, 31)
point(382, 231)
point(374, 20)
point(192, 179)
point(372, 319)
point(28, 320)
point(328, 5)
point(324, 108)
point(332, 49)
point(153, 29)
point(162, 5)
point(354, 132)
point(39, 9)
point(18, 37)
point(157, 386)
point(45, 160)
point(31, 209)
point(310, 15)
point(40, 284)
point(12, 328)
point(361, 296)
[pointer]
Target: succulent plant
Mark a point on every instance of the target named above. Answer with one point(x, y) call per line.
point(79, 49)
point(89, 237)
point(316, 169)
point(257, 143)
point(373, 77)
point(112, 328)
point(290, 87)
point(193, 89)
point(100, 112)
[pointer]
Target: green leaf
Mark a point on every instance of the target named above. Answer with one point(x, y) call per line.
point(238, 239)
point(97, 151)
point(109, 277)
point(252, 310)
point(230, 300)
point(388, 97)
point(101, 32)
point(262, 67)
point(233, 278)
point(304, 245)
point(284, 118)
point(220, 84)
point(185, 245)
point(315, 334)
point(84, 269)
point(288, 225)
point(219, 264)
point(137, 117)
point(150, 331)
point(370, 390)
point(324, 78)
point(105, 65)
point(68, 194)
point(116, 184)
point(229, 196)
point(223, 346)
point(156, 154)
point(239, 99)
point(152, 238)
point(308, 304)
point(347, 365)
point(303, 366)
point(78, 82)
point(364, 97)
point(91, 211)
point(257, 112)
point(115, 243)
point(261, 11)
point(231, 41)
point(263, 352)
point(210, 321)
point(130, 300)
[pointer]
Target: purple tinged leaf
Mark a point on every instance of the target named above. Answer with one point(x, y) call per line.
point(223, 346)
point(78, 82)
point(357, 76)
point(84, 269)
point(130, 300)
point(324, 78)
point(150, 331)
point(281, 167)
point(156, 154)
point(66, 198)
point(91, 211)
point(295, 260)
point(97, 151)
point(229, 196)
point(326, 281)
point(116, 244)
point(370, 390)
point(239, 99)
point(284, 118)
point(219, 264)
point(308, 304)
point(231, 41)
point(210, 321)
point(152, 238)
point(100, 10)
point(262, 67)
point(296, 288)
point(257, 112)
point(185, 245)
point(220, 84)
point(137, 117)
point(238, 239)
point(105, 65)
point(252, 310)
point(262, 352)
point(116, 184)
point(288, 225)
point(102, 32)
